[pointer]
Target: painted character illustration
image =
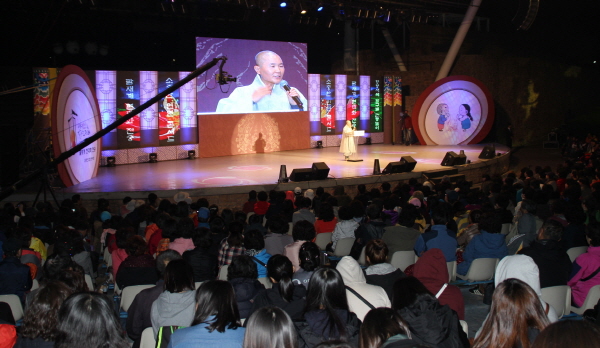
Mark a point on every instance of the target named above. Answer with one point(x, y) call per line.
point(442, 110)
point(464, 116)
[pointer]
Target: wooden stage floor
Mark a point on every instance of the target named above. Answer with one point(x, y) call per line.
point(259, 169)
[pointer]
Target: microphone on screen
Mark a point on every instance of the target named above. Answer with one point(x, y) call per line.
point(285, 86)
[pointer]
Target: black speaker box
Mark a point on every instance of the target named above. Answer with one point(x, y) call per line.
point(394, 167)
point(453, 159)
point(301, 174)
point(320, 171)
point(488, 152)
point(408, 162)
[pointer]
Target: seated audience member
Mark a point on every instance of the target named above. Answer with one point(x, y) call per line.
point(182, 241)
point(302, 232)
point(261, 207)
point(284, 294)
point(383, 327)
point(380, 272)
point(326, 219)
point(574, 234)
point(216, 322)
point(169, 233)
point(254, 243)
point(69, 243)
point(255, 222)
point(139, 268)
point(16, 277)
point(585, 273)
point(340, 195)
point(120, 253)
point(547, 253)
point(270, 327)
point(277, 237)
point(526, 227)
point(242, 274)
point(327, 316)
point(303, 213)
point(138, 314)
point(88, 320)
point(501, 206)
point(490, 243)
point(175, 306)
point(472, 228)
point(29, 257)
point(156, 227)
point(346, 226)
point(202, 258)
point(372, 229)
point(569, 333)
point(432, 271)
point(430, 323)
point(439, 236)
point(53, 268)
point(403, 236)
point(232, 245)
point(516, 317)
point(41, 317)
point(310, 260)
point(355, 282)
point(249, 205)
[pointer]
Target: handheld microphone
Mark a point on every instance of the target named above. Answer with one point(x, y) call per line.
point(285, 86)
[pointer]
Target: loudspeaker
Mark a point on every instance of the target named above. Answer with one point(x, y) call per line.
point(320, 171)
point(394, 167)
point(409, 163)
point(301, 174)
point(488, 152)
point(453, 159)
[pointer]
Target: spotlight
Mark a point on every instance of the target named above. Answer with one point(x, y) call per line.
point(111, 161)
point(320, 8)
point(303, 11)
point(283, 4)
point(191, 154)
point(319, 144)
point(153, 157)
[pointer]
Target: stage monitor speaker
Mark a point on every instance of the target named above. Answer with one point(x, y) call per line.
point(453, 159)
point(394, 167)
point(488, 152)
point(320, 171)
point(409, 163)
point(301, 174)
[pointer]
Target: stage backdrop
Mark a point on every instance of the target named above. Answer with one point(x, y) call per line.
point(237, 134)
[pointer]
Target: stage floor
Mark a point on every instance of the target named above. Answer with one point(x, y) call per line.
point(259, 169)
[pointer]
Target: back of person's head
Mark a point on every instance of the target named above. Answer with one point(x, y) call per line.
point(262, 196)
point(135, 246)
point(373, 211)
point(277, 224)
point(357, 208)
point(475, 216)
point(122, 235)
point(552, 230)
point(281, 270)
point(491, 222)
point(270, 327)
point(575, 214)
point(516, 309)
point(439, 214)
point(326, 291)
point(202, 202)
point(88, 320)
point(407, 291)
point(379, 325)
point(408, 215)
point(592, 231)
point(169, 230)
point(569, 333)
point(303, 203)
point(217, 298)
point(529, 205)
point(74, 277)
point(202, 238)
point(345, 213)
point(335, 343)
point(326, 212)
point(41, 317)
point(310, 256)
point(185, 227)
point(179, 276)
point(55, 265)
point(242, 266)
point(252, 195)
point(303, 230)
point(255, 219)
point(376, 251)
point(254, 240)
point(163, 259)
point(236, 236)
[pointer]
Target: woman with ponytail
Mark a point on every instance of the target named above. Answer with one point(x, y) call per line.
point(284, 294)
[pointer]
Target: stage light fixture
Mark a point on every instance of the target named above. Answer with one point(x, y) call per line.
point(191, 154)
point(319, 144)
point(111, 161)
point(283, 4)
point(320, 8)
point(153, 157)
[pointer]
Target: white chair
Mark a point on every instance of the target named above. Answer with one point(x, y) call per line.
point(323, 239)
point(343, 247)
point(117, 290)
point(403, 259)
point(559, 297)
point(481, 269)
point(129, 294)
point(89, 282)
point(290, 229)
point(505, 228)
point(197, 284)
point(576, 251)
point(248, 216)
point(590, 300)
point(223, 272)
point(362, 259)
point(266, 282)
point(451, 270)
point(147, 340)
point(15, 305)
point(35, 284)
point(465, 327)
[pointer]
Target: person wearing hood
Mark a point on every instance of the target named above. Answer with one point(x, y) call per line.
point(345, 227)
point(354, 278)
point(380, 272)
point(432, 271)
point(490, 243)
point(176, 305)
point(526, 227)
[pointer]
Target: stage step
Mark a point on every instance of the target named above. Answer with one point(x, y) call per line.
point(438, 173)
point(454, 178)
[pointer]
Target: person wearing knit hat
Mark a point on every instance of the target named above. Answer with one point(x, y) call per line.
point(309, 194)
point(182, 196)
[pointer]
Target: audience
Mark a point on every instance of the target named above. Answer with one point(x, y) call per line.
point(302, 232)
point(242, 274)
point(270, 327)
point(254, 243)
point(569, 333)
point(139, 267)
point(277, 237)
point(16, 277)
point(310, 259)
point(202, 258)
point(383, 327)
point(439, 236)
point(345, 227)
point(380, 272)
point(403, 236)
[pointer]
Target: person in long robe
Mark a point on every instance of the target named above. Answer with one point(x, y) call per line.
point(348, 147)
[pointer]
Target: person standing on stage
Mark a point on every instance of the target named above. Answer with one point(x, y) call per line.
point(401, 118)
point(407, 129)
point(266, 93)
point(348, 147)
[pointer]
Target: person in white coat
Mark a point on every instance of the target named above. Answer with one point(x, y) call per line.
point(348, 147)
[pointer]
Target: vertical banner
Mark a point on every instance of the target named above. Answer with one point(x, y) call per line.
point(314, 103)
point(128, 98)
point(106, 93)
point(169, 121)
point(187, 107)
point(365, 101)
point(387, 110)
point(353, 100)
point(376, 119)
point(148, 117)
point(327, 105)
point(397, 109)
point(340, 102)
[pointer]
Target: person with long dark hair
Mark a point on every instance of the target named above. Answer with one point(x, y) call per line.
point(270, 327)
point(310, 260)
point(202, 258)
point(139, 267)
point(326, 315)
point(242, 274)
point(380, 272)
point(569, 333)
point(464, 116)
point(88, 320)
point(216, 320)
point(384, 327)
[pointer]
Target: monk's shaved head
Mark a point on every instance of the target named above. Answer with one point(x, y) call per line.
point(260, 56)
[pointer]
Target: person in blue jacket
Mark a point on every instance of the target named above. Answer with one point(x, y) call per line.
point(439, 236)
point(489, 244)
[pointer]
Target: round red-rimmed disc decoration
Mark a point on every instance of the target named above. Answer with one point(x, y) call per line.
point(75, 117)
point(456, 110)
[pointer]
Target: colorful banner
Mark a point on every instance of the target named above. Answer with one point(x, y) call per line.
point(376, 120)
point(327, 105)
point(353, 100)
point(128, 98)
point(169, 122)
point(397, 91)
